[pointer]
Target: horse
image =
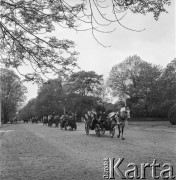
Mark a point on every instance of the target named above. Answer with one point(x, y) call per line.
point(25, 120)
point(35, 120)
point(122, 116)
point(71, 122)
point(13, 120)
point(63, 121)
point(56, 120)
point(50, 120)
point(45, 120)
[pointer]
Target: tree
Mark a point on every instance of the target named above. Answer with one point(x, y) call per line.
point(79, 104)
point(22, 25)
point(168, 81)
point(28, 111)
point(136, 80)
point(167, 88)
point(50, 98)
point(26, 27)
point(12, 93)
point(103, 92)
point(84, 83)
point(172, 114)
point(53, 97)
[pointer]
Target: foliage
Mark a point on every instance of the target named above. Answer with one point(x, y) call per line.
point(168, 81)
point(110, 107)
point(22, 25)
point(53, 97)
point(148, 89)
point(133, 78)
point(167, 88)
point(84, 83)
point(28, 111)
point(12, 93)
point(26, 27)
point(50, 98)
point(172, 114)
point(79, 104)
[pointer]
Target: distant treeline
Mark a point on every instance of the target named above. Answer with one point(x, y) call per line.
point(149, 90)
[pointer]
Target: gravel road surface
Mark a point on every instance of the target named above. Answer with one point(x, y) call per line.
point(37, 152)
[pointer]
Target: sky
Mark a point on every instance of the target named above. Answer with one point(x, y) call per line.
point(156, 44)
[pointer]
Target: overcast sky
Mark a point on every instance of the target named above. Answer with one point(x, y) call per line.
point(156, 44)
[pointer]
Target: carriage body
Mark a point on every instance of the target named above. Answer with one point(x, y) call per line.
point(99, 124)
point(68, 121)
point(63, 122)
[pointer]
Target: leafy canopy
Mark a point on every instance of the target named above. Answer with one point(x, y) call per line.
point(26, 27)
point(84, 82)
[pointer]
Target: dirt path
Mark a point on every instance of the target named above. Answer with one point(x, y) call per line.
point(32, 151)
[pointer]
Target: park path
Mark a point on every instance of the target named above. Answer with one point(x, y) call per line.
point(34, 151)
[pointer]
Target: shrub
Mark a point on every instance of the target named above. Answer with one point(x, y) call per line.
point(172, 114)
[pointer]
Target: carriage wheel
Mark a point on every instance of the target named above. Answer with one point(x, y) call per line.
point(97, 130)
point(87, 129)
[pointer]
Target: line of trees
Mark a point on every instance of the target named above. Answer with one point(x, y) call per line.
point(76, 94)
point(26, 40)
point(149, 91)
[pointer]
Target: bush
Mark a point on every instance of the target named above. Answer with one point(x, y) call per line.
point(163, 108)
point(172, 114)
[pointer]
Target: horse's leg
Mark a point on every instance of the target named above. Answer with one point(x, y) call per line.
point(119, 130)
point(122, 132)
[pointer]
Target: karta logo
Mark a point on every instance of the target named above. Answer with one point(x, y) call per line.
point(112, 167)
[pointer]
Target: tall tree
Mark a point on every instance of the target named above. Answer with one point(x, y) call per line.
point(25, 27)
point(50, 98)
point(136, 80)
point(12, 93)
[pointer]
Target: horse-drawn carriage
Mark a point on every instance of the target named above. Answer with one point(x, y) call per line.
point(99, 123)
point(68, 121)
point(13, 120)
point(107, 122)
point(53, 119)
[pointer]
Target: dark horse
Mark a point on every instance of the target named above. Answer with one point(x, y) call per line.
point(53, 120)
point(71, 121)
point(45, 120)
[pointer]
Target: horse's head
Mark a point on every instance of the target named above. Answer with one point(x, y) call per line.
point(124, 113)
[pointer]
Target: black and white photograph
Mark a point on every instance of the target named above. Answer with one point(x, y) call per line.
point(87, 89)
